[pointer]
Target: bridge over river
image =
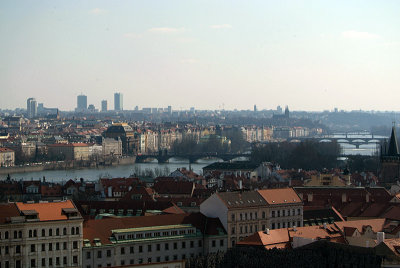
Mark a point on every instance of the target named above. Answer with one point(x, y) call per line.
point(354, 138)
point(164, 158)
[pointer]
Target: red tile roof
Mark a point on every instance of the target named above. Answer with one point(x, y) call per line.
point(7, 211)
point(47, 211)
point(280, 196)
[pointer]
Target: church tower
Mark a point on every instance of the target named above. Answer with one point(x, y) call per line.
point(390, 161)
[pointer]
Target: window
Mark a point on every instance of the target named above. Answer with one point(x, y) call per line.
point(43, 232)
point(298, 211)
point(200, 243)
point(75, 259)
point(273, 214)
point(65, 260)
point(245, 228)
point(251, 216)
point(283, 213)
point(65, 245)
point(15, 234)
point(245, 216)
point(149, 260)
point(33, 248)
point(175, 257)
point(140, 249)
point(241, 216)
point(108, 252)
point(293, 212)
point(132, 261)
point(99, 254)
point(65, 231)
point(166, 245)
point(166, 258)
point(77, 230)
point(131, 250)
point(255, 215)
point(34, 233)
point(43, 262)
point(288, 212)
point(140, 260)
point(30, 233)
point(298, 224)
point(233, 217)
point(122, 262)
point(122, 251)
point(183, 256)
point(20, 234)
point(273, 226)
point(6, 249)
point(18, 264)
point(241, 229)
point(221, 242)
point(158, 247)
point(148, 248)
point(33, 263)
point(191, 244)
point(284, 225)
point(158, 259)
point(183, 244)
point(50, 232)
point(17, 249)
point(6, 235)
point(50, 246)
point(50, 261)
point(72, 230)
point(175, 245)
point(213, 243)
point(279, 225)
point(279, 213)
point(88, 255)
point(57, 261)
point(263, 227)
point(255, 228)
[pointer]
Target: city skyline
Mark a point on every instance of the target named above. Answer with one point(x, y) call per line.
point(311, 56)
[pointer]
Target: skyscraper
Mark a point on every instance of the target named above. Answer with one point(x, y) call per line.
point(118, 102)
point(31, 107)
point(81, 103)
point(104, 106)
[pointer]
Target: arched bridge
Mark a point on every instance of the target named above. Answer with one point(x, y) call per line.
point(353, 138)
point(164, 158)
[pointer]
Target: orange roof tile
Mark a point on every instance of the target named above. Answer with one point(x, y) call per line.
point(47, 211)
point(280, 196)
point(377, 225)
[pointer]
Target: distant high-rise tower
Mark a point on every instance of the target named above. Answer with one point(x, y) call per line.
point(81, 103)
point(104, 106)
point(118, 102)
point(255, 108)
point(31, 107)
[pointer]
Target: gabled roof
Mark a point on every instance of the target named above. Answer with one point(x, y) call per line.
point(280, 196)
point(102, 229)
point(377, 225)
point(239, 199)
point(47, 211)
point(8, 210)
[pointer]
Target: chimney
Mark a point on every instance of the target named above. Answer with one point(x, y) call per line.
point(267, 231)
point(240, 184)
point(380, 237)
point(294, 228)
point(325, 226)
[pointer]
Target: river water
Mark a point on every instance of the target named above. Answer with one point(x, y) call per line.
point(111, 172)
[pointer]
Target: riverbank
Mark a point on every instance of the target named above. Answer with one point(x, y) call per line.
point(61, 165)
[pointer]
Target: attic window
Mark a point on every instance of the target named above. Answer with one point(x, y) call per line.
point(273, 201)
point(284, 200)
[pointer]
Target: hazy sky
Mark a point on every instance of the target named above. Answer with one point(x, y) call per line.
point(310, 55)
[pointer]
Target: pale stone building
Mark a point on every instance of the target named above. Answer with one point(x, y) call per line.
point(40, 235)
point(244, 212)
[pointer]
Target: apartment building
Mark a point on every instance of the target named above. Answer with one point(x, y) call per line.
point(40, 235)
point(7, 157)
point(244, 212)
point(150, 239)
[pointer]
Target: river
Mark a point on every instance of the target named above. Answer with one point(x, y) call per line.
point(113, 171)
